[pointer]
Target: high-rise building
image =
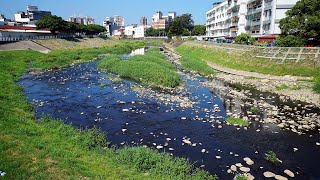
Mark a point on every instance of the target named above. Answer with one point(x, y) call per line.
point(162, 22)
point(119, 20)
point(32, 14)
point(255, 17)
point(81, 20)
point(144, 21)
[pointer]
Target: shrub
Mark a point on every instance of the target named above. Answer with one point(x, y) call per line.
point(245, 39)
point(272, 157)
point(291, 41)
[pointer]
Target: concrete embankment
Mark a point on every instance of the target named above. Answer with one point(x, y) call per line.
point(24, 45)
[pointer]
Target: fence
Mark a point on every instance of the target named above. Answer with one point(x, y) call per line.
point(27, 38)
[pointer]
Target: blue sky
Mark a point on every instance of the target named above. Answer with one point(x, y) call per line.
point(99, 9)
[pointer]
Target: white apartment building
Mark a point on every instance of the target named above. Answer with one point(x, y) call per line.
point(134, 31)
point(255, 17)
point(81, 20)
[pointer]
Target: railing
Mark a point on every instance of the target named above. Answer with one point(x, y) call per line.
point(27, 38)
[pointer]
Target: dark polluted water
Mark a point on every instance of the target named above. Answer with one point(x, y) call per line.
point(83, 96)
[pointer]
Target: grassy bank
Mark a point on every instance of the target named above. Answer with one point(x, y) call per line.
point(49, 149)
point(246, 62)
point(149, 69)
point(61, 58)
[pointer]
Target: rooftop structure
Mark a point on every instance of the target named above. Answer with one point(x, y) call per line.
point(32, 14)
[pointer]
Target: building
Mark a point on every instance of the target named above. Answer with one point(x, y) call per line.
point(31, 16)
point(110, 25)
point(81, 20)
point(119, 20)
point(134, 31)
point(2, 19)
point(258, 18)
point(144, 21)
point(162, 22)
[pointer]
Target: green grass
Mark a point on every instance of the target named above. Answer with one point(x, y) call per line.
point(241, 177)
point(284, 86)
point(50, 149)
point(272, 157)
point(237, 121)
point(255, 110)
point(246, 62)
point(149, 69)
point(316, 86)
point(197, 65)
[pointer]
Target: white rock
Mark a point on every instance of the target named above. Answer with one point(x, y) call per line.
point(239, 165)
point(203, 150)
point(2, 173)
point(279, 177)
point(318, 144)
point(295, 149)
point(183, 118)
point(250, 162)
point(123, 130)
point(171, 149)
point(186, 141)
point(289, 173)
point(245, 169)
point(218, 157)
point(233, 168)
point(125, 110)
point(268, 174)
point(159, 147)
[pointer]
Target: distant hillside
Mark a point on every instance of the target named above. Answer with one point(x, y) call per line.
point(82, 43)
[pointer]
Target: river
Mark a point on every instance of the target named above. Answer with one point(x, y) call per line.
point(85, 97)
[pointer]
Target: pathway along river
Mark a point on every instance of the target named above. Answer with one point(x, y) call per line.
point(83, 96)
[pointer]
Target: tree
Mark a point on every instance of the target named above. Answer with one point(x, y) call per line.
point(53, 23)
point(179, 24)
point(302, 20)
point(198, 30)
point(291, 41)
point(150, 32)
point(245, 39)
point(94, 29)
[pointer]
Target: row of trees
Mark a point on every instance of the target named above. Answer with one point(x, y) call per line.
point(181, 26)
point(57, 25)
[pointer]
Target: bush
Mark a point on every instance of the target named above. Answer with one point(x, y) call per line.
point(245, 39)
point(291, 41)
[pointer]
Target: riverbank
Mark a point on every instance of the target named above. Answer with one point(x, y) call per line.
point(49, 149)
point(289, 80)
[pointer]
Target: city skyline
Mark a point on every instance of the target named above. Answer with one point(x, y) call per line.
point(132, 11)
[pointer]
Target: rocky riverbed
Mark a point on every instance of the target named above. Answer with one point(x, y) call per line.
point(296, 115)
